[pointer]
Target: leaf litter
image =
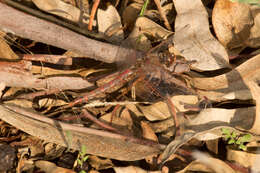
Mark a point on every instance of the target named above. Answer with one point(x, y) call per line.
point(38, 87)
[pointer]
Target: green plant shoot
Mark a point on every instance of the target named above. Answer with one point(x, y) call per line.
point(236, 139)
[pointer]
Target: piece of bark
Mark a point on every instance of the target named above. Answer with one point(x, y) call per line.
point(17, 74)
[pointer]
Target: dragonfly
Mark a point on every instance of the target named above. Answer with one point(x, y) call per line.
point(157, 69)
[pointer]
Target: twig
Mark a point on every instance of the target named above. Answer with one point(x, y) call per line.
point(162, 14)
point(53, 59)
point(98, 122)
point(92, 14)
point(17, 74)
point(31, 96)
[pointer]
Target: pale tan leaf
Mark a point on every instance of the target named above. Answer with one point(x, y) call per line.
point(2, 87)
point(99, 163)
point(131, 169)
point(232, 22)
point(148, 133)
point(159, 110)
point(109, 23)
point(22, 102)
point(60, 8)
point(97, 142)
point(124, 121)
point(246, 158)
point(49, 102)
point(49, 167)
point(5, 51)
point(216, 165)
point(230, 85)
point(214, 117)
point(254, 38)
point(193, 38)
point(145, 27)
point(53, 151)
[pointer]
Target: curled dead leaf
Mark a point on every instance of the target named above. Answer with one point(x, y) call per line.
point(232, 22)
point(62, 9)
point(109, 23)
point(193, 38)
point(254, 38)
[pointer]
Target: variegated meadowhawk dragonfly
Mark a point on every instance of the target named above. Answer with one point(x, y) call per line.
point(160, 71)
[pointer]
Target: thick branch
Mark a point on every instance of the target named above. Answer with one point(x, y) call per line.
point(24, 25)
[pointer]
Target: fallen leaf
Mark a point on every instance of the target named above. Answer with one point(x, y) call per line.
point(100, 163)
point(131, 169)
point(148, 133)
point(193, 38)
point(5, 51)
point(254, 38)
point(232, 22)
point(212, 146)
point(62, 9)
point(212, 164)
point(49, 167)
point(130, 14)
point(109, 23)
point(2, 87)
point(97, 142)
point(251, 155)
point(233, 85)
point(160, 111)
point(144, 28)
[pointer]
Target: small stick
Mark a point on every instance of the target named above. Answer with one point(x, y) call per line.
point(92, 14)
point(162, 14)
point(31, 96)
point(173, 114)
point(97, 121)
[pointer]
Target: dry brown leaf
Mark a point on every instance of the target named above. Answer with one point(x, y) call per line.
point(148, 133)
point(53, 151)
point(160, 111)
point(130, 14)
point(205, 163)
point(124, 121)
point(207, 119)
point(97, 142)
point(5, 51)
point(251, 155)
point(62, 9)
point(232, 22)
point(49, 167)
point(234, 85)
point(212, 145)
point(145, 27)
point(2, 87)
point(131, 169)
point(109, 23)
point(22, 102)
point(254, 38)
point(49, 102)
point(193, 38)
point(99, 163)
